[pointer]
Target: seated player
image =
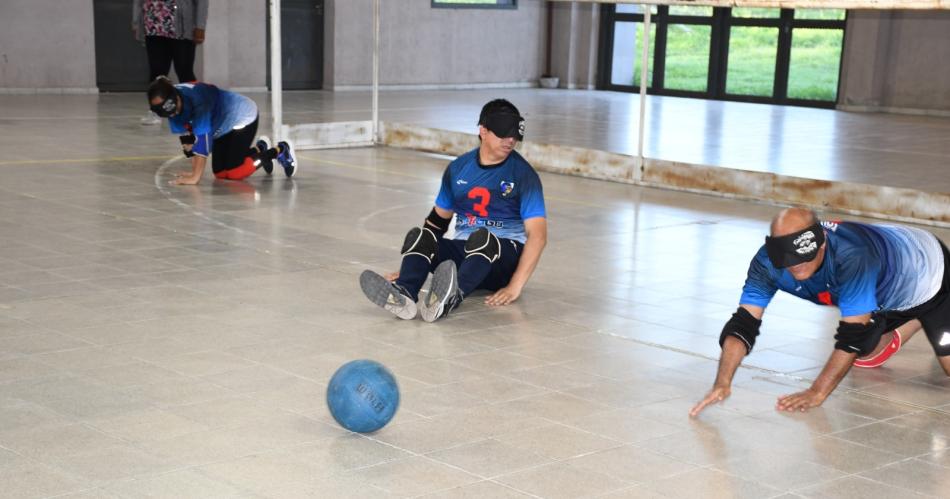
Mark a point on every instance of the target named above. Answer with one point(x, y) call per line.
point(497, 202)
point(223, 124)
point(888, 281)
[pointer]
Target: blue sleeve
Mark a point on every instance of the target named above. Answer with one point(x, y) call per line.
point(445, 199)
point(857, 277)
point(202, 145)
point(178, 127)
point(532, 196)
point(760, 283)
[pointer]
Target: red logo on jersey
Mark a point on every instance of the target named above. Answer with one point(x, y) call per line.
point(825, 297)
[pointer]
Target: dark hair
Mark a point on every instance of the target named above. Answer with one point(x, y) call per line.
point(161, 87)
point(497, 106)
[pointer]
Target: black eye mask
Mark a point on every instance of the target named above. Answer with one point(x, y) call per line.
point(797, 247)
point(505, 125)
point(168, 107)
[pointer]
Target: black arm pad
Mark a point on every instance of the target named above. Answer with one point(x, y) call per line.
point(742, 325)
point(437, 224)
point(187, 140)
point(859, 338)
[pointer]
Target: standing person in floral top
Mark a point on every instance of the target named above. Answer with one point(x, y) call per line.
point(170, 29)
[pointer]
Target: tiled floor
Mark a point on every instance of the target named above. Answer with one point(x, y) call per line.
point(177, 342)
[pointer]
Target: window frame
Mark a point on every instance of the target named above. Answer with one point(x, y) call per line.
point(721, 23)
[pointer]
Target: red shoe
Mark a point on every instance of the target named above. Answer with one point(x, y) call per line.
point(885, 354)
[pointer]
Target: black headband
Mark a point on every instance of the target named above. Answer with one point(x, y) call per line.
point(505, 124)
point(797, 247)
point(168, 107)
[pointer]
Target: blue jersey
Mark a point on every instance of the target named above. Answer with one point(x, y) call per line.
point(866, 268)
point(499, 197)
point(209, 112)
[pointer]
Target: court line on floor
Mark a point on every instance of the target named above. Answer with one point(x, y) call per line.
point(160, 185)
point(81, 160)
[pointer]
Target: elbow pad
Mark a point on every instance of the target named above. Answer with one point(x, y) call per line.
point(187, 140)
point(742, 325)
point(437, 224)
point(860, 339)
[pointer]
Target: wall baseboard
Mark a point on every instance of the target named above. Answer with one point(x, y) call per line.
point(944, 113)
point(447, 86)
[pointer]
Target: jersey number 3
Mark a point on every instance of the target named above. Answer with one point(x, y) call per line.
point(484, 197)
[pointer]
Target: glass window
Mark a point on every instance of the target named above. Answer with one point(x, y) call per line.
point(813, 69)
point(690, 10)
point(626, 8)
point(628, 48)
point(751, 63)
point(756, 12)
point(687, 57)
point(821, 14)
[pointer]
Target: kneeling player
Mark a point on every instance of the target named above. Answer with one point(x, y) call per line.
point(212, 121)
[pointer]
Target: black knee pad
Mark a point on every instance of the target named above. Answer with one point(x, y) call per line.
point(421, 241)
point(483, 243)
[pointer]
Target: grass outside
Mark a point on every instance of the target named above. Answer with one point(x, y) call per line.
point(813, 71)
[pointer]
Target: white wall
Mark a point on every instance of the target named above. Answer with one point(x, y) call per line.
point(47, 44)
point(897, 61)
point(422, 46)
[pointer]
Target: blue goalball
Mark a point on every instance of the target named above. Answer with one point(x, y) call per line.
point(363, 396)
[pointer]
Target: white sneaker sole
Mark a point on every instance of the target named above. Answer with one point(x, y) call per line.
point(381, 292)
point(444, 284)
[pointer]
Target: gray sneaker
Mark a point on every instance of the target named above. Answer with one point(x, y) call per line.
point(444, 294)
point(387, 295)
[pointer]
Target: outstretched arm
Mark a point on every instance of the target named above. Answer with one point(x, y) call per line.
point(536, 230)
point(835, 369)
point(733, 351)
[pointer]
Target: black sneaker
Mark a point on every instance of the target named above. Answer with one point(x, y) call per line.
point(444, 294)
point(285, 156)
point(262, 147)
point(387, 295)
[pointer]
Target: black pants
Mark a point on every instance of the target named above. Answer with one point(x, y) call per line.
point(473, 273)
point(230, 153)
point(934, 314)
point(163, 51)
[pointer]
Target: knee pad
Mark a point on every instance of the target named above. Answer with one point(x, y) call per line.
point(483, 243)
point(860, 339)
point(421, 241)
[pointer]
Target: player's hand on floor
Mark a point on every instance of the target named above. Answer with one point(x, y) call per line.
point(801, 401)
point(185, 180)
point(503, 296)
point(716, 395)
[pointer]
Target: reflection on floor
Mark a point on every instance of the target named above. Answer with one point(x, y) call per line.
point(176, 342)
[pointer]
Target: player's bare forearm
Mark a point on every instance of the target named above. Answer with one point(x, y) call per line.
point(197, 170)
point(834, 371)
point(733, 351)
point(537, 239)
